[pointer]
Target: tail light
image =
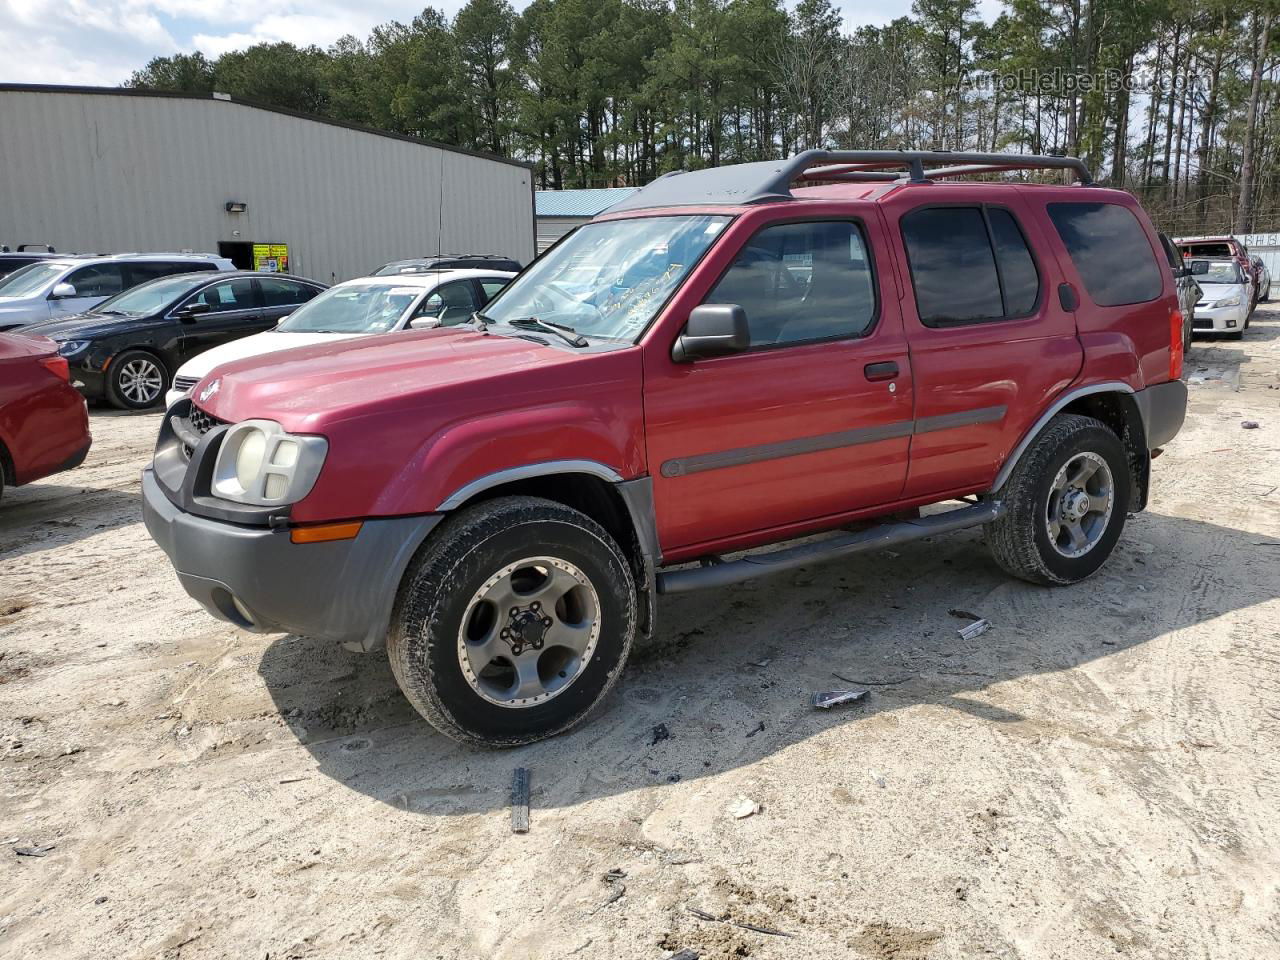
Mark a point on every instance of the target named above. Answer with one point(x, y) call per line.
point(1175, 344)
point(58, 366)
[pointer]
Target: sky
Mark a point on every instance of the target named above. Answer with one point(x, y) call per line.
point(101, 42)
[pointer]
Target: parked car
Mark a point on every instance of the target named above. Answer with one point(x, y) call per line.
point(11, 261)
point(357, 308)
point(70, 285)
point(1216, 248)
point(503, 501)
point(449, 261)
point(1262, 278)
point(1188, 290)
point(1226, 301)
point(44, 427)
point(126, 348)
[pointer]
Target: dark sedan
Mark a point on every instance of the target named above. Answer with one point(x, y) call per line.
point(127, 348)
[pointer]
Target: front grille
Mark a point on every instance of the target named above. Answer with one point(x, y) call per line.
point(202, 422)
point(185, 383)
point(1201, 324)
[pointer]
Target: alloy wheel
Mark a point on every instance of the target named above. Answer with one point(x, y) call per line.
point(140, 381)
point(1080, 503)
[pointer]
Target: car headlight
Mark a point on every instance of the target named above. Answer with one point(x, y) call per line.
point(1229, 302)
point(261, 464)
point(69, 348)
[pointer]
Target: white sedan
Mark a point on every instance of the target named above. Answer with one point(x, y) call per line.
point(357, 308)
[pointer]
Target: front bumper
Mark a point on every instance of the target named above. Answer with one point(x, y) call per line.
point(1220, 319)
point(258, 579)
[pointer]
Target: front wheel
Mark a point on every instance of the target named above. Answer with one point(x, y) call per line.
point(1065, 503)
point(513, 622)
point(137, 380)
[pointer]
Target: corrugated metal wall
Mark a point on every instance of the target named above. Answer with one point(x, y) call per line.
point(105, 172)
point(551, 229)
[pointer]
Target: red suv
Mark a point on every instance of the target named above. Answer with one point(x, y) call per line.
point(717, 364)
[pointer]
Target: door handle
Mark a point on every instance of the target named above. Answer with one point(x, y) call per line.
point(881, 371)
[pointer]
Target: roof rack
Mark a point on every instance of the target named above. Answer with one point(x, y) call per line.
point(747, 183)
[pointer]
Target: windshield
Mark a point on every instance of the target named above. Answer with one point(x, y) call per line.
point(608, 279)
point(30, 279)
point(1216, 271)
point(360, 308)
point(152, 296)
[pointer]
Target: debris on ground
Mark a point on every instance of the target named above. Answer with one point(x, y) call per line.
point(725, 918)
point(34, 851)
point(743, 807)
point(520, 801)
point(1250, 424)
point(975, 629)
point(660, 733)
point(963, 614)
point(885, 682)
point(613, 878)
point(685, 954)
point(756, 729)
point(833, 698)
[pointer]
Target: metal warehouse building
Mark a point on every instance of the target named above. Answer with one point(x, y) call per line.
point(560, 211)
point(106, 170)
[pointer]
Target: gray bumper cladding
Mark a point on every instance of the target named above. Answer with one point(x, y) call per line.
point(1163, 407)
point(258, 579)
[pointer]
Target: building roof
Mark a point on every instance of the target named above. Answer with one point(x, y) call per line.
point(578, 203)
point(245, 102)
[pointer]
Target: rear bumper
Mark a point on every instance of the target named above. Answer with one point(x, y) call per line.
point(1163, 407)
point(258, 579)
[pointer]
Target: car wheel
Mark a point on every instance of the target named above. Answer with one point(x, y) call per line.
point(1065, 503)
point(137, 380)
point(513, 622)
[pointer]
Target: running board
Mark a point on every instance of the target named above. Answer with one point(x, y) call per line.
point(721, 574)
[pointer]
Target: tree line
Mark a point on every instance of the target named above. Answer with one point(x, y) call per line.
point(1175, 100)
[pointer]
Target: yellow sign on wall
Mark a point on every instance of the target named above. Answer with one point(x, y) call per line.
point(271, 257)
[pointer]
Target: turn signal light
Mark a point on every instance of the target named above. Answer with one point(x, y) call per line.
point(58, 366)
point(1175, 344)
point(324, 532)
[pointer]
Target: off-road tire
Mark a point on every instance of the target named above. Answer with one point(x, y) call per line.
point(115, 395)
point(441, 580)
point(1019, 540)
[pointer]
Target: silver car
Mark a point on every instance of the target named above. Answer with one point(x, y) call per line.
point(56, 288)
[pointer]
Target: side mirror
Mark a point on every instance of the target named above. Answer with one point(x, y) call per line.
point(424, 323)
point(63, 291)
point(192, 310)
point(713, 330)
point(281, 320)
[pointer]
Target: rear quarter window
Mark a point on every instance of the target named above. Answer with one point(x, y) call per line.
point(1110, 250)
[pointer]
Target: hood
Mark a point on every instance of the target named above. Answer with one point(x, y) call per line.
point(86, 326)
point(269, 341)
point(15, 345)
point(310, 387)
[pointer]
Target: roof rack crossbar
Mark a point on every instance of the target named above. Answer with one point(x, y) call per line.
point(765, 180)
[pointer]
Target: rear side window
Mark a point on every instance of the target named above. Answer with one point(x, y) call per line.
point(1110, 250)
point(801, 282)
point(99, 280)
point(969, 265)
point(284, 293)
point(142, 272)
point(491, 288)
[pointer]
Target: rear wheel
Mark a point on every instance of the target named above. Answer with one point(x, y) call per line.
point(1065, 503)
point(513, 622)
point(136, 380)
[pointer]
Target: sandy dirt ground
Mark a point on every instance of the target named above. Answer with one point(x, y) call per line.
point(1097, 775)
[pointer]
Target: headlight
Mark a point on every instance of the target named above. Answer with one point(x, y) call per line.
point(69, 348)
point(1229, 302)
point(261, 464)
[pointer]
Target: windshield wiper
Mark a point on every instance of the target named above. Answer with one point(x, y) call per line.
point(567, 334)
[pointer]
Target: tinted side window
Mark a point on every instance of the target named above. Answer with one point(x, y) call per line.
point(229, 295)
point(1018, 274)
point(284, 293)
point(99, 280)
point(491, 288)
point(1110, 249)
point(802, 281)
point(953, 268)
point(142, 272)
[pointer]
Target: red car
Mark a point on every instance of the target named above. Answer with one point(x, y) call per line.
point(720, 363)
point(44, 426)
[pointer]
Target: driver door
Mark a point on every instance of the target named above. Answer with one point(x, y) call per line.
point(450, 303)
point(813, 421)
point(234, 312)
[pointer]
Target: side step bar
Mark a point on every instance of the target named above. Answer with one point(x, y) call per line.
point(721, 574)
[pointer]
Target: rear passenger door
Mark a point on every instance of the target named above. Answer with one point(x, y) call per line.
point(991, 342)
point(234, 312)
point(280, 297)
